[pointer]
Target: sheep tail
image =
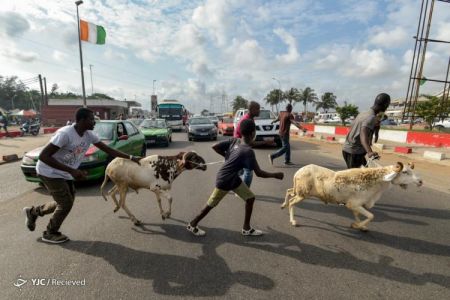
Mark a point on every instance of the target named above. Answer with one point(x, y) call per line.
point(105, 181)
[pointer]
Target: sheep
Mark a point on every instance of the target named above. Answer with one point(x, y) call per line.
point(357, 189)
point(154, 172)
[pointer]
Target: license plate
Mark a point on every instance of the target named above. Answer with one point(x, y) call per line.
point(268, 139)
point(151, 141)
point(203, 133)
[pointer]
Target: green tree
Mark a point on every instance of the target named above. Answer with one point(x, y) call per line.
point(327, 101)
point(307, 95)
point(292, 96)
point(347, 111)
point(431, 109)
point(274, 97)
point(239, 102)
point(100, 96)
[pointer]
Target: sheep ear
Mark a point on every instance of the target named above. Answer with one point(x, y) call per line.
point(411, 165)
point(390, 176)
point(180, 155)
point(399, 167)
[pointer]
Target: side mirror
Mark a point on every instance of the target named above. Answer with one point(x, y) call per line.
point(123, 137)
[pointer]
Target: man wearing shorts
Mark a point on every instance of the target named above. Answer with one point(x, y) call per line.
point(238, 155)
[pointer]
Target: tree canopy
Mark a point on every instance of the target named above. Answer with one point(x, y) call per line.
point(346, 111)
point(239, 102)
point(327, 101)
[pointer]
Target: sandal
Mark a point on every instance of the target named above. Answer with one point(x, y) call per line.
point(195, 230)
point(252, 232)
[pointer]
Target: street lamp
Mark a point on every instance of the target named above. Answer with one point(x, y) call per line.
point(279, 91)
point(78, 3)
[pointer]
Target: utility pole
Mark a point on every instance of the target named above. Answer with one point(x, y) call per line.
point(45, 91)
point(79, 2)
point(42, 90)
point(92, 83)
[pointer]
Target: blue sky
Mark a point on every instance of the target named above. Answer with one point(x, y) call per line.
point(201, 50)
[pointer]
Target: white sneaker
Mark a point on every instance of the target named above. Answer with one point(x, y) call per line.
point(252, 232)
point(195, 230)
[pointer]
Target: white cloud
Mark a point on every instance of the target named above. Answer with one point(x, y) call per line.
point(13, 24)
point(59, 56)
point(292, 54)
point(390, 38)
point(215, 17)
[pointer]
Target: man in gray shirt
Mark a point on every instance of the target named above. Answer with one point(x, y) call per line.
point(358, 140)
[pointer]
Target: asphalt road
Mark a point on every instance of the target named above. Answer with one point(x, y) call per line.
point(406, 255)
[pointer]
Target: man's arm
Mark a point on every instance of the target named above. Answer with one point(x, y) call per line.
point(276, 120)
point(365, 141)
point(115, 153)
point(46, 156)
point(219, 150)
point(264, 174)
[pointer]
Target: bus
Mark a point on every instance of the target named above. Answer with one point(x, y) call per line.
point(173, 112)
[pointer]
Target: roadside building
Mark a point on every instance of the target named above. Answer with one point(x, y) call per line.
point(58, 111)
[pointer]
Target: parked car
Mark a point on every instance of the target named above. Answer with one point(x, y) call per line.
point(214, 119)
point(156, 131)
point(118, 134)
point(201, 128)
point(136, 122)
point(265, 130)
point(226, 126)
point(440, 125)
point(388, 122)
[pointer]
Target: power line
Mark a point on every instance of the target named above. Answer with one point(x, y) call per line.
point(94, 60)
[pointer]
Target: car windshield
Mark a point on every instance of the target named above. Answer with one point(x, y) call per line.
point(265, 114)
point(104, 130)
point(199, 121)
point(153, 124)
point(214, 119)
point(136, 122)
point(227, 120)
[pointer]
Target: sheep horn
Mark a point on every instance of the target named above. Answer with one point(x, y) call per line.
point(411, 165)
point(398, 168)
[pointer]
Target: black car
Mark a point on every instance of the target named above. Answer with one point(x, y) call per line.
point(201, 128)
point(215, 120)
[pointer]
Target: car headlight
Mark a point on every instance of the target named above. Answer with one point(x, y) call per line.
point(26, 160)
point(191, 129)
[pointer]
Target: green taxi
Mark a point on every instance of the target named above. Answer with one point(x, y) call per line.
point(118, 134)
point(156, 131)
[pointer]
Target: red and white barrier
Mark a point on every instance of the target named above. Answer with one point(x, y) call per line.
point(398, 136)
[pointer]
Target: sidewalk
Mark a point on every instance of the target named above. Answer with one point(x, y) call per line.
point(20, 145)
point(388, 148)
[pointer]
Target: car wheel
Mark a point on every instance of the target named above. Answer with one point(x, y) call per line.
point(170, 139)
point(190, 139)
point(439, 127)
point(144, 150)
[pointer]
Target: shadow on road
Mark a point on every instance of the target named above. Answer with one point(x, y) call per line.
point(279, 243)
point(207, 275)
point(393, 241)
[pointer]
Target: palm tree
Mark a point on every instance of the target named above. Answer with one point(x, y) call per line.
point(274, 97)
point(292, 96)
point(328, 100)
point(307, 96)
point(239, 102)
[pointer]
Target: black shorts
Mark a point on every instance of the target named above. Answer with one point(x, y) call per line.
point(354, 160)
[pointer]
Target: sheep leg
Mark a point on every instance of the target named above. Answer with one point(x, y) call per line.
point(158, 198)
point(362, 225)
point(289, 194)
point(167, 214)
point(292, 202)
point(123, 194)
point(356, 214)
point(112, 192)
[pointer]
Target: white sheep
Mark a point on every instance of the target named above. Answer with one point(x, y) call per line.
point(357, 189)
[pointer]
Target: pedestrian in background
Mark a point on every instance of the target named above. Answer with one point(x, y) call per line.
point(359, 139)
point(58, 168)
point(286, 118)
point(4, 123)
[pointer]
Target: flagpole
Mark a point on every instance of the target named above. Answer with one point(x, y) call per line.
point(78, 3)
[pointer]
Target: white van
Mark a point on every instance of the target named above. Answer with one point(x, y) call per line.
point(265, 130)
